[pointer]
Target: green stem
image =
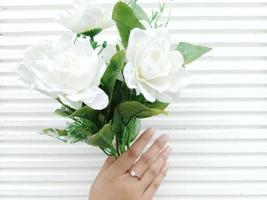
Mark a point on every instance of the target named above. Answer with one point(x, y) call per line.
point(92, 38)
point(112, 152)
point(117, 144)
point(100, 51)
point(104, 150)
point(59, 100)
point(75, 40)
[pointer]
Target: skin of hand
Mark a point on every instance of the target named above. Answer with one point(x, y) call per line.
point(114, 181)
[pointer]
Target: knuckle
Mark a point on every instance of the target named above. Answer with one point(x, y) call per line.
point(145, 138)
point(153, 171)
point(159, 144)
point(146, 159)
point(132, 153)
point(164, 155)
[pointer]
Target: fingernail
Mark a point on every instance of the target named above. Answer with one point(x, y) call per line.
point(151, 131)
point(148, 133)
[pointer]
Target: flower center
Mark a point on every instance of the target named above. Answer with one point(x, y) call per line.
point(152, 65)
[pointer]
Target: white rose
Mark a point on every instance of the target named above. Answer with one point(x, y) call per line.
point(153, 68)
point(85, 16)
point(61, 69)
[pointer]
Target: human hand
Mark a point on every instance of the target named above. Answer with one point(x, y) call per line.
point(114, 181)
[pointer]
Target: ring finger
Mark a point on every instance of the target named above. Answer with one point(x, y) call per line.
point(155, 168)
point(150, 155)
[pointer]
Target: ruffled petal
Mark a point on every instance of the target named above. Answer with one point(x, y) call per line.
point(129, 75)
point(93, 97)
point(74, 104)
point(180, 79)
point(148, 92)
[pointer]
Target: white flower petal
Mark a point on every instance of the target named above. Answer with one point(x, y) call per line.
point(180, 79)
point(152, 68)
point(129, 75)
point(147, 91)
point(93, 97)
point(176, 58)
point(63, 69)
point(138, 42)
point(85, 16)
point(74, 104)
point(168, 97)
point(159, 84)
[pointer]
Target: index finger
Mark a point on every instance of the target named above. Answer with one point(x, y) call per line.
point(127, 159)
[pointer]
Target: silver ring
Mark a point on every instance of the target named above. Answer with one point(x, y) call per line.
point(133, 174)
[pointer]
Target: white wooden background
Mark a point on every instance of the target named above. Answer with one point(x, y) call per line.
point(218, 128)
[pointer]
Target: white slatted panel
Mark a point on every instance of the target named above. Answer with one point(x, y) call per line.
point(218, 128)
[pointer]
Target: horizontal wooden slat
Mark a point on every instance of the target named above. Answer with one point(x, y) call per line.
point(183, 174)
point(218, 38)
point(167, 189)
point(243, 134)
point(180, 25)
point(198, 79)
point(217, 52)
point(198, 106)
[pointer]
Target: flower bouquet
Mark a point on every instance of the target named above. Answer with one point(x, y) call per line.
point(104, 88)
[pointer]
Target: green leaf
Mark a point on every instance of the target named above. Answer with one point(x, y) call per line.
point(60, 134)
point(81, 130)
point(75, 132)
point(128, 134)
point(63, 111)
point(85, 112)
point(158, 105)
point(125, 122)
point(126, 21)
point(91, 33)
point(131, 109)
point(133, 129)
point(191, 52)
point(84, 123)
point(113, 70)
point(139, 11)
point(120, 94)
point(128, 110)
point(102, 138)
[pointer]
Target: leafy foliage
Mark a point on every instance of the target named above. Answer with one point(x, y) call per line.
point(63, 111)
point(126, 21)
point(115, 127)
point(75, 132)
point(126, 123)
point(138, 11)
point(131, 109)
point(91, 33)
point(85, 113)
point(113, 70)
point(103, 138)
point(191, 52)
